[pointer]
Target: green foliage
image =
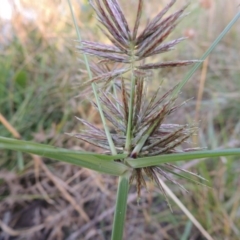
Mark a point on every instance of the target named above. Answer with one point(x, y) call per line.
point(21, 79)
point(97, 162)
point(169, 158)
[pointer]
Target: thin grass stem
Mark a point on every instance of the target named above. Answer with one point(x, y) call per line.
point(205, 55)
point(94, 86)
point(185, 210)
point(130, 115)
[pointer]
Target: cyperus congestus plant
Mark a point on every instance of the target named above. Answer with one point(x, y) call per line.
point(142, 140)
point(136, 118)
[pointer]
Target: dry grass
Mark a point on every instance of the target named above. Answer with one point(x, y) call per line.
point(41, 199)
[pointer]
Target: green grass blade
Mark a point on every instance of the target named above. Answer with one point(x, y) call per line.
point(98, 162)
point(20, 162)
point(121, 207)
point(205, 55)
point(187, 231)
point(168, 158)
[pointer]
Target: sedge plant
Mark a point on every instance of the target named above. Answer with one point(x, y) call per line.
point(142, 143)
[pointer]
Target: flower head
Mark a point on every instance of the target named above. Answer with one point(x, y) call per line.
point(138, 121)
point(129, 47)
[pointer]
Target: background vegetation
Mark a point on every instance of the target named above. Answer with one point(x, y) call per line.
point(39, 97)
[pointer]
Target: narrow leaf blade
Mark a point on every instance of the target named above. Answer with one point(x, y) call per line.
point(169, 158)
point(98, 162)
point(205, 55)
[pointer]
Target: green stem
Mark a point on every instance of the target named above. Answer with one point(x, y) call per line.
point(109, 137)
point(121, 207)
point(94, 87)
point(130, 112)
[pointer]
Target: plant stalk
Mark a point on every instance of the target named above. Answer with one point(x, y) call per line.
point(94, 87)
point(130, 112)
point(121, 207)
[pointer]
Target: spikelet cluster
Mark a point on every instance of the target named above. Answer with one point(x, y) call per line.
point(123, 63)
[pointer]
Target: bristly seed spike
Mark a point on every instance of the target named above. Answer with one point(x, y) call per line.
point(137, 21)
point(122, 72)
